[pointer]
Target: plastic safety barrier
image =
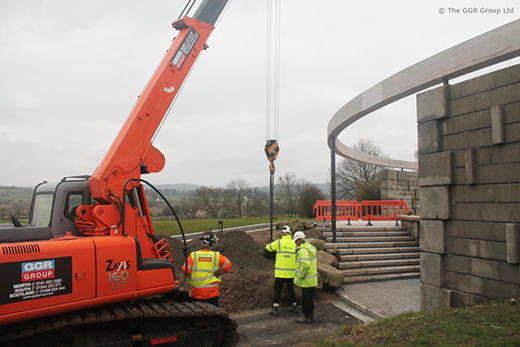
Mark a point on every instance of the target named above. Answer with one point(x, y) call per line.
point(369, 209)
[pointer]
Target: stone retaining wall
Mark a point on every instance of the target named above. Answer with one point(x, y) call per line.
point(469, 177)
point(401, 185)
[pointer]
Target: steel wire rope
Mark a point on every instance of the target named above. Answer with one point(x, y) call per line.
point(272, 104)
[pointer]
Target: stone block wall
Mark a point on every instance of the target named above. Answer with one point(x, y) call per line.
point(401, 185)
point(469, 177)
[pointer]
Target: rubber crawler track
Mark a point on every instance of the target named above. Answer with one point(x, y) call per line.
point(117, 312)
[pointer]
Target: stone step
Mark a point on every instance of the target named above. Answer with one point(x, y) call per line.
point(341, 245)
point(379, 278)
point(330, 234)
point(371, 239)
point(376, 250)
point(370, 253)
point(384, 256)
point(378, 263)
point(380, 270)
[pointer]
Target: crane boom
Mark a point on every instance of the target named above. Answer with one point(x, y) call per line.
point(132, 152)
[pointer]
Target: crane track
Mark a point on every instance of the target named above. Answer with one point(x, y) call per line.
point(116, 312)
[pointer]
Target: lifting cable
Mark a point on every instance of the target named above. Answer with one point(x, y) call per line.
point(272, 107)
point(272, 100)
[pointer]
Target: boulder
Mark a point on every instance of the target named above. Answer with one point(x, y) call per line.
point(319, 244)
point(327, 259)
point(295, 225)
point(330, 276)
point(335, 253)
point(315, 234)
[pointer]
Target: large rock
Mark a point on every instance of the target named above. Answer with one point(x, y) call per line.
point(315, 234)
point(330, 276)
point(295, 225)
point(319, 244)
point(327, 259)
point(335, 253)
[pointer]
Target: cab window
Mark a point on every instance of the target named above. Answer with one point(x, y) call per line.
point(73, 201)
point(41, 215)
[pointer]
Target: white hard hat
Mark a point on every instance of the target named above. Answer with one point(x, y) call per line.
point(298, 235)
point(286, 230)
point(209, 239)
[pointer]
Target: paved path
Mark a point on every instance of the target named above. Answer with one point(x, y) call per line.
point(259, 329)
point(364, 302)
point(383, 299)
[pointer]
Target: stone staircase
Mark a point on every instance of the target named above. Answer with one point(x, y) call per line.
point(375, 253)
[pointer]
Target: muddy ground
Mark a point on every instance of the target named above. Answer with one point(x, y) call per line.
point(246, 294)
point(248, 285)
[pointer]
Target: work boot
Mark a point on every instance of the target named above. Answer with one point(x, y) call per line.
point(294, 308)
point(274, 311)
point(305, 319)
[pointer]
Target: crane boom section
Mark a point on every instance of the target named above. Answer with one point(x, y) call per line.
point(132, 152)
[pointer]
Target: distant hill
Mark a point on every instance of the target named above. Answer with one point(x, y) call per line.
point(324, 187)
point(185, 187)
point(180, 187)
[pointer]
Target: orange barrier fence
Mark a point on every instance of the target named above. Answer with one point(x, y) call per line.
point(370, 209)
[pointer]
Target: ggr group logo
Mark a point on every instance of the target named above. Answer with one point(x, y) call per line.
point(38, 270)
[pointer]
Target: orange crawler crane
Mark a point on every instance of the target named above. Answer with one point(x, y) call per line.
point(88, 270)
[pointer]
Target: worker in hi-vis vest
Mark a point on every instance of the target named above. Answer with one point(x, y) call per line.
point(306, 275)
point(285, 249)
point(205, 268)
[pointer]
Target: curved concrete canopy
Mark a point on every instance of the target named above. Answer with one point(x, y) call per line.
point(495, 46)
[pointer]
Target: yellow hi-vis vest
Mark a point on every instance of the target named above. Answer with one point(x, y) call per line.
point(306, 272)
point(285, 249)
point(205, 264)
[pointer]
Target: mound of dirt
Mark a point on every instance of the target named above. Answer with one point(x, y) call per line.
point(247, 285)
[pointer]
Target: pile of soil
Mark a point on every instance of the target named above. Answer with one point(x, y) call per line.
point(247, 285)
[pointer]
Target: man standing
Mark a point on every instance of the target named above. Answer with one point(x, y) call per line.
point(204, 269)
point(285, 249)
point(306, 275)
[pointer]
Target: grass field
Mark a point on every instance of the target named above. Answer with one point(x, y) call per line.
point(492, 324)
point(170, 227)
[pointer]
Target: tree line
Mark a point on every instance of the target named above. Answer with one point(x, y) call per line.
point(293, 197)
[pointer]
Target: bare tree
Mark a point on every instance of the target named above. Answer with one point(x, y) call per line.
point(287, 194)
point(354, 177)
point(242, 198)
point(211, 199)
point(190, 205)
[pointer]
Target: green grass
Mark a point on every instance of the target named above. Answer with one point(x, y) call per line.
point(492, 324)
point(170, 227)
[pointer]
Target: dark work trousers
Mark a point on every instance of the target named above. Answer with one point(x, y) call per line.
point(278, 285)
point(307, 301)
point(213, 301)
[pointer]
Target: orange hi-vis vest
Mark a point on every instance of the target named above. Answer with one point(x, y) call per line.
point(201, 268)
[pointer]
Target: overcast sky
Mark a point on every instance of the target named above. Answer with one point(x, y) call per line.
point(71, 71)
